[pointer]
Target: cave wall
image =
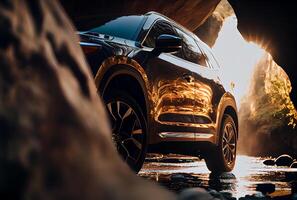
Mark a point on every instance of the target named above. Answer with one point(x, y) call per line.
point(187, 12)
point(208, 31)
point(273, 25)
point(55, 140)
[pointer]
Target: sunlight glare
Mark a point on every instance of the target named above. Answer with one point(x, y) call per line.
point(236, 56)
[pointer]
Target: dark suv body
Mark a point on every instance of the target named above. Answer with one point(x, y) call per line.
point(161, 87)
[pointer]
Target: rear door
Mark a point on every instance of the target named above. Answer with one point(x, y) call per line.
point(213, 76)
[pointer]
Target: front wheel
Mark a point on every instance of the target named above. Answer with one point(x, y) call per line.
point(129, 130)
point(221, 158)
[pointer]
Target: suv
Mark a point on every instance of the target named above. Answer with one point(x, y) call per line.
point(161, 87)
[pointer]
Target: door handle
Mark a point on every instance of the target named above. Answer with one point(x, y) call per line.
point(188, 78)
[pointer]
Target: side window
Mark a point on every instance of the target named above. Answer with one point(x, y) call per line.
point(190, 51)
point(159, 28)
point(212, 62)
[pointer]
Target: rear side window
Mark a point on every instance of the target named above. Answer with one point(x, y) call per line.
point(190, 50)
point(212, 62)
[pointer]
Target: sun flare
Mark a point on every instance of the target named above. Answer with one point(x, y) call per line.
point(236, 56)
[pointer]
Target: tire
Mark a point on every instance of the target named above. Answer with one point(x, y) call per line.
point(129, 127)
point(222, 157)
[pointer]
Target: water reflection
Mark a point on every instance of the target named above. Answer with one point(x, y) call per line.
point(248, 172)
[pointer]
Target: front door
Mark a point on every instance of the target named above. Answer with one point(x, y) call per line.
point(173, 91)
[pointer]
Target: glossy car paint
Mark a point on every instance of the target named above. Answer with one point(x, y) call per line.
point(184, 100)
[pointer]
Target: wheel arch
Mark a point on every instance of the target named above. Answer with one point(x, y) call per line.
point(125, 74)
point(227, 106)
point(128, 83)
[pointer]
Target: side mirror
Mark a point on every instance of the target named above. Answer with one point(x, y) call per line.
point(167, 43)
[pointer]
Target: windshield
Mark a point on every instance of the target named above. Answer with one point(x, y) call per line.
point(126, 27)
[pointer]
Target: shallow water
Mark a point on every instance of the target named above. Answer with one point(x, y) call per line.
point(248, 172)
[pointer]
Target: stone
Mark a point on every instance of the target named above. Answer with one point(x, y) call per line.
point(55, 138)
point(178, 177)
point(291, 176)
point(195, 194)
point(265, 188)
point(284, 160)
point(219, 195)
point(294, 186)
point(294, 165)
point(269, 162)
point(227, 175)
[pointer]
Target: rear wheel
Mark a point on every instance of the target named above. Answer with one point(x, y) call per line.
point(129, 130)
point(221, 158)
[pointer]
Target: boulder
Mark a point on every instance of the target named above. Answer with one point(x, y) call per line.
point(290, 176)
point(294, 165)
point(55, 139)
point(269, 162)
point(195, 194)
point(294, 187)
point(265, 188)
point(180, 177)
point(284, 160)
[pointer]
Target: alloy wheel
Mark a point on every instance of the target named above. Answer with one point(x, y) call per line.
point(127, 132)
point(229, 143)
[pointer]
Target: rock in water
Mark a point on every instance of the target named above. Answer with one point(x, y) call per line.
point(265, 188)
point(290, 176)
point(269, 162)
point(55, 140)
point(284, 160)
point(294, 187)
point(294, 165)
point(195, 194)
point(179, 177)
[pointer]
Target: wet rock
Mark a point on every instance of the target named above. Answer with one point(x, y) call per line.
point(294, 165)
point(257, 196)
point(180, 181)
point(227, 175)
point(269, 162)
point(290, 176)
point(224, 175)
point(294, 187)
point(221, 195)
point(55, 142)
point(284, 160)
point(195, 194)
point(265, 188)
point(185, 178)
point(179, 177)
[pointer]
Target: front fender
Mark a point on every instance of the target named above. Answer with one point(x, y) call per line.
point(120, 65)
